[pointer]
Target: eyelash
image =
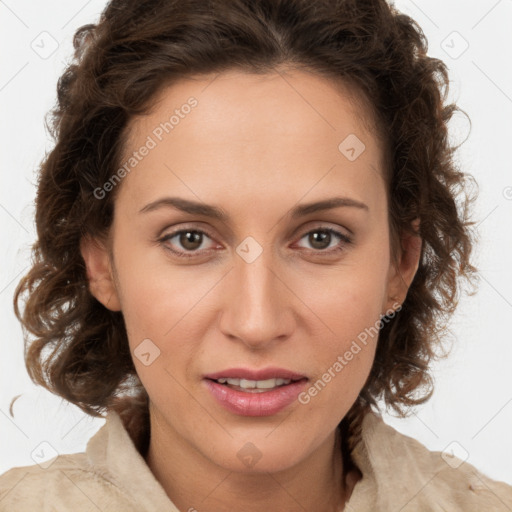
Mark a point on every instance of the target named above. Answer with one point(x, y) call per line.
point(344, 238)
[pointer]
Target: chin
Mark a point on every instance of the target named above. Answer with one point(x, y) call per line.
point(259, 453)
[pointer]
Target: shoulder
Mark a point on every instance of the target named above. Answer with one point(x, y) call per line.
point(54, 485)
point(406, 474)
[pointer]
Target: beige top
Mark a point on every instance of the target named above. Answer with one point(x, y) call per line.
point(399, 474)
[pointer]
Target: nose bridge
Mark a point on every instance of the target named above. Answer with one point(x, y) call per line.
point(256, 308)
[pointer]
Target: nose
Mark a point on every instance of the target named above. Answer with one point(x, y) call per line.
point(258, 305)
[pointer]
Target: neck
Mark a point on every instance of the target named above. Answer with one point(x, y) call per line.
point(194, 482)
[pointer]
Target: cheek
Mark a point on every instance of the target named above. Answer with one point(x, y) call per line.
point(165, 305)
point(344, 352)
point(346, 302)
point(154, 295)
point(348, 307)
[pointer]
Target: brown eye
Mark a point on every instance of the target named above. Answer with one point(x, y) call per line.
point(190, 240)
point(320, 240)
point(186, 242)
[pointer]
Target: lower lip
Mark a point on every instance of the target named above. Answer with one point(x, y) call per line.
point(256, 404)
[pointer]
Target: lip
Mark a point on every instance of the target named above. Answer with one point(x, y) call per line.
point(266, 403)
point(262, 374)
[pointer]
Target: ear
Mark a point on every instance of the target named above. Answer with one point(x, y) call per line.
point(99, 273)
point(402, 275)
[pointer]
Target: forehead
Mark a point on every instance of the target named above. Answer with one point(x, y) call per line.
point(240, 133)
point(236, 98)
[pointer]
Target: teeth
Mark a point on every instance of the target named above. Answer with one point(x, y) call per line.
point(255, 384)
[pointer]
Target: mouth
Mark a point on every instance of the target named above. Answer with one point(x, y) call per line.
point(249, 392)
point(255, 386)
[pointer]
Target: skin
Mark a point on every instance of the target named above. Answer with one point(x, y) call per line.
point(256, 146)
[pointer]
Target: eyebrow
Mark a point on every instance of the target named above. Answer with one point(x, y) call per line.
point(206, 210)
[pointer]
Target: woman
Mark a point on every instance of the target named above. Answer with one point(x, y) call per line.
point(247, 236)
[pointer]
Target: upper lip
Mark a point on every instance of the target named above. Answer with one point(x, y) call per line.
point(262, 374)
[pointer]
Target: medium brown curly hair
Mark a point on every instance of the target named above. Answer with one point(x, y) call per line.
point(78, 348)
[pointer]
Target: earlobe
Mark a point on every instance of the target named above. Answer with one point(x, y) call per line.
point(99, 273)
point(408, 264)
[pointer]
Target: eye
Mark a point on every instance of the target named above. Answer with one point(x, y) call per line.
point(322, 237)
point(191, 240)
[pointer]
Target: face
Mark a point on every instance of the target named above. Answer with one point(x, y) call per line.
point(265, 283)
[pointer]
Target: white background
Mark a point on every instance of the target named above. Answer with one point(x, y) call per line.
point(470, 413)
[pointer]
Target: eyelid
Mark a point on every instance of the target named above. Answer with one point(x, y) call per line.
point(327, 226)
point(163, 237)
